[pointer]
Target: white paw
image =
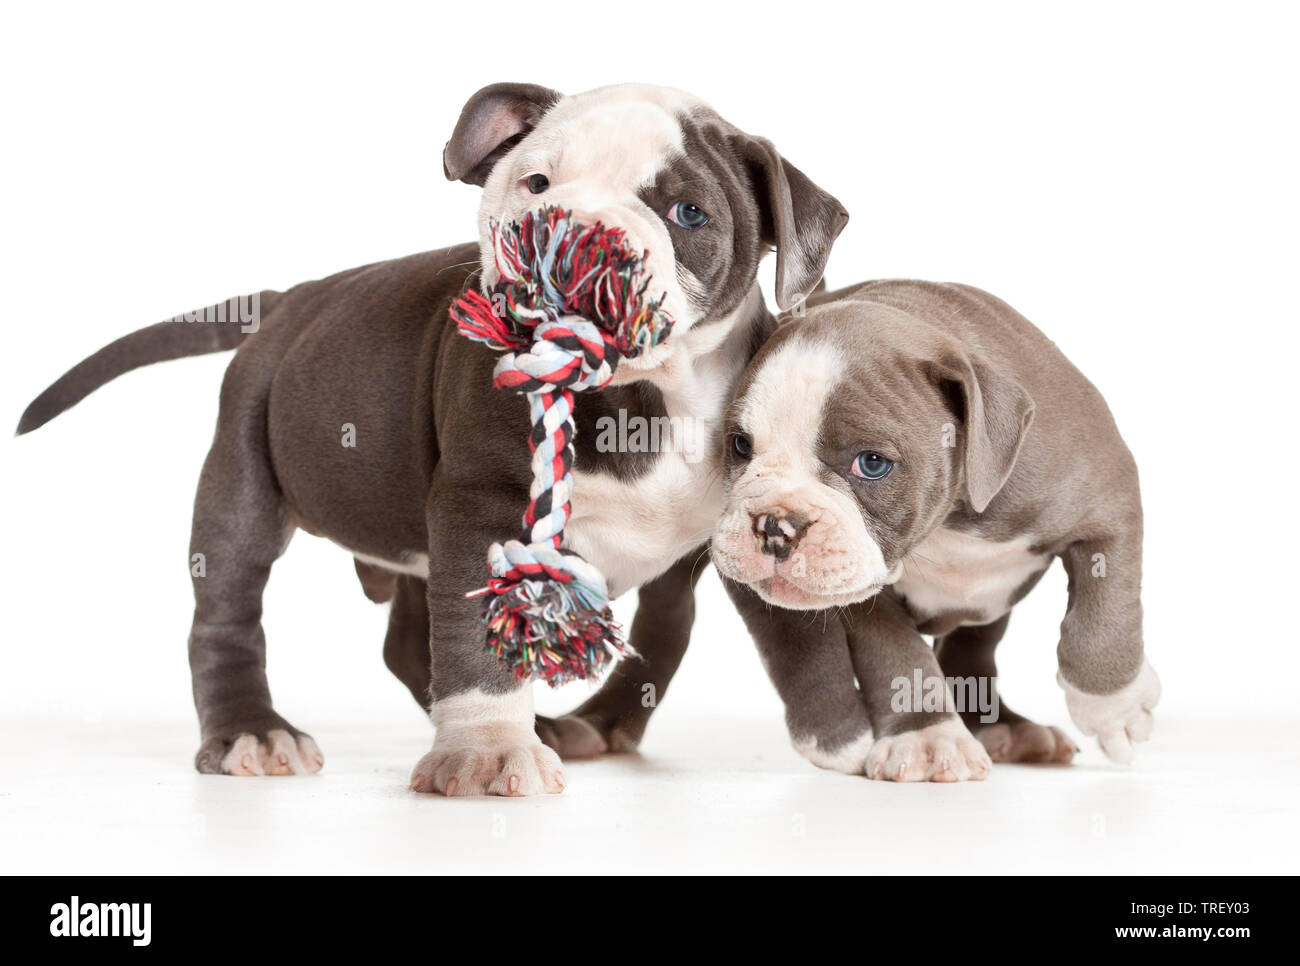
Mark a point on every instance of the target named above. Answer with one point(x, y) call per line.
point(1117, 719)
point(944, 752)
point(280, 754)
point(850, 758)
point(486, 744)
point(490, 759)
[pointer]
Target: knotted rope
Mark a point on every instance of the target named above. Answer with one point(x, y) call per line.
point(570, 303)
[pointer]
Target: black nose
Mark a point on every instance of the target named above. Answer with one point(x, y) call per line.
point(779, 533)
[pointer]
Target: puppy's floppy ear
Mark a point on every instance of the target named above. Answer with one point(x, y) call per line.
point(491, 123)
point(798, 218)
point(996, 413)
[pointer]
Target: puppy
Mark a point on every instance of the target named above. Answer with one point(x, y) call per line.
point(924, 449)
point(353, 410)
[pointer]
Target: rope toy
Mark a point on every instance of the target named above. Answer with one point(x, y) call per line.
point(570, 304)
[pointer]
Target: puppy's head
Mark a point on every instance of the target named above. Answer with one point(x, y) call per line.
point(854, 432)
point(704, 199)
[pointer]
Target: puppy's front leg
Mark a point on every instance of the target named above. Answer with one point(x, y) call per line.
point(807, 657)
point(484, 743)
point(918, 735)
point(1110, 688)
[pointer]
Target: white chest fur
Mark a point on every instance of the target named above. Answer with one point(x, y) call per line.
point(956, 572)
point(634, 531)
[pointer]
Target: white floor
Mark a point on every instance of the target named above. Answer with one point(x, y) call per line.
point(115, 795)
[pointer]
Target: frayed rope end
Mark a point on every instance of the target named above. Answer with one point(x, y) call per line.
point(549, 630)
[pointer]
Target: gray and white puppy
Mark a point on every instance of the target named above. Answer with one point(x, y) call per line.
point(437, 469)
point(924, 449)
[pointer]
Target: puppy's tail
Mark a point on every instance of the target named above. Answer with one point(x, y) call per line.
point(215, 328)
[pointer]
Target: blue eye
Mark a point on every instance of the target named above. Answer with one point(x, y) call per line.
point(687, 215)
point(871, 466)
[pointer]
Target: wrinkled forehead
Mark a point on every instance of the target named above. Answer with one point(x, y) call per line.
point(887, 395)
point(621, 135)
point(835, 376)
point(788, 388)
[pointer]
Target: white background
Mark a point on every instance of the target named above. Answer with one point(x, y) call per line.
point(1123, 174)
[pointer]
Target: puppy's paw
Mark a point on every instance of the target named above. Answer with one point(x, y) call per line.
point(274, 752)
point(1025, 742)
point(944, 752)
point(489, 759)
point(849, 756)
point(579, 736)
point(1117, 719)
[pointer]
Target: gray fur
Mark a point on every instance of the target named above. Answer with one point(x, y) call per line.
point(439, 465)
point(1038, 454)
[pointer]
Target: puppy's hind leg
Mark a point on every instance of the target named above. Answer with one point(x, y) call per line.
point(240, 528)
point(967, 654)
point(406, 647)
